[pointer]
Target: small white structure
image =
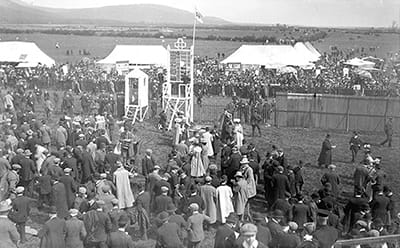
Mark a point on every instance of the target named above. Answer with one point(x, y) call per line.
point(136, 95)
point(27, 54)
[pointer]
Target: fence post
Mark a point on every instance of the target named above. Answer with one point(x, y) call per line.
point(348, 114)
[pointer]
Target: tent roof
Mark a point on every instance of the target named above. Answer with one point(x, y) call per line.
point(270, 56)
point(138, 54)
point(312, 49)
point(305, 52)
point(28, 54)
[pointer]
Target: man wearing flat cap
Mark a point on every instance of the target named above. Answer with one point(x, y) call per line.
point(333, 178)
point(76, 232)
point(162, 201)
point(120, 237)
point(280, 184)
point(20, 211)
point(13, 180)
point(27, 172)
point(195, 226)
point(148, 163)
point(248, 232)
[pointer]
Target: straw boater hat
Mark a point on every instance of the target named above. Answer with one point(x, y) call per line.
point(244, 161)
point(239, 174)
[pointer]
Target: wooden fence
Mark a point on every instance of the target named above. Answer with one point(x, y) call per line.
point(335, 111)
point(393, 240)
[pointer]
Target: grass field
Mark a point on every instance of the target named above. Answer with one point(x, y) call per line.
point(298, 143)
point(100, 47)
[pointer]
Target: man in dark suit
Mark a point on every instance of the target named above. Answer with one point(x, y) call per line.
point(102, 139)
point(119, 238)
point(225, 155)
point(59, 199)
point(111, 159)
point(162, 201)
point(280, 184)
point(233, 163)
point(72, 162)
point(19, 213)
point(88, 166)
point(354, 206)
point(355, 145)
point(225, 231)
point(325, 156)
point(98, 225)
point(263, 233)
point(333, 178)
point(389, 132)
point(379, 206)
point(168, 235)
point(324, 234)
point(70, 186)
point(275, 227)
point(284, 206)
point(76, 232)
point(301, 212)
point(143, 199)
point(115, 214)
point(53, 232)
point(27, 172)
point(361, 177)
point(148, 163)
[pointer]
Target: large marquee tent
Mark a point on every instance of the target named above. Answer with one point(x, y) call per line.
point(140, 55)
point(26, 54)
point(273, 56)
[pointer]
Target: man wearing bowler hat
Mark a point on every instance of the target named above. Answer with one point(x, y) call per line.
point(168, 234)
point(225, 231)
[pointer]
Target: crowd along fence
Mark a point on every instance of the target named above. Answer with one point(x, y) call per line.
point(349, 113)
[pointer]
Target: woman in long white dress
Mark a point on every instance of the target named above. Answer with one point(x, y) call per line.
point(196, 164)
point(224, 200)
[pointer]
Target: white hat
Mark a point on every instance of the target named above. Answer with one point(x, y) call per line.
point(236, 120)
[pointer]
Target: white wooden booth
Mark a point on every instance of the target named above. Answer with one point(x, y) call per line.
point(136, 95)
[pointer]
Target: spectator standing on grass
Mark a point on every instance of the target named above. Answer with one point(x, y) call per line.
point(195, 226)
point(355, 146)
point(76, 232)
point(53, 232)
point(333, 178)
point(325, 156)
point(388, 128)
point(8, 232)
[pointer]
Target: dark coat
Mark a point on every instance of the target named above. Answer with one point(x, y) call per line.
point(333, 179)
point(44, 184)
point(70, 189)
point(98, 225)
point(223, 232)
point(76, 233)
point(147, 165)
point(361, 178)
point(233, 165)
point(87, 166)
point(59, 200)
point(285, 207)
point(168, 236)
point(119, 239)
point(114, 215)
point(53, 233)
point(301, 213)
point(20, 209)
point(55, 172)
point(263, 234)
point(143, 201)
point(28, 169)
point(326, 236)
point(161, 203)
point(325, 156)
point(73, 164)
point(280, 185)
point(379, 207)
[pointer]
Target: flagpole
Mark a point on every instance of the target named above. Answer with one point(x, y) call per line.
point(192, 68)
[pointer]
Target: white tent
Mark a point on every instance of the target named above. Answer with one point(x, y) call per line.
point(270, 56)
point(305, 52)
point(27, 54)
point(137, 55)
point(312, 49)
point(360, 63)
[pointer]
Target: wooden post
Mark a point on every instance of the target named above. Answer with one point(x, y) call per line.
point(348, 114)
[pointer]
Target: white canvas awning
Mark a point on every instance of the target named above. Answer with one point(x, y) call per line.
point(360, 63)
point(270, 56)
point(138, 55)
point(27, 54)
point(305, 52)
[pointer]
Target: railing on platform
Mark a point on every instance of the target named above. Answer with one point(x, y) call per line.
point(390, 240)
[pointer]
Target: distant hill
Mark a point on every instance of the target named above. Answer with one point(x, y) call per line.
point(18, 12)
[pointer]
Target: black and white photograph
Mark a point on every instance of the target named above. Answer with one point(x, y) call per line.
point(199, 124)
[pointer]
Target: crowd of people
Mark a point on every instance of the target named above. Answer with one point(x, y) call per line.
point(88, 175)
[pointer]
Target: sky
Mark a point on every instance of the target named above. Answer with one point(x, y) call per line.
point(337, 13)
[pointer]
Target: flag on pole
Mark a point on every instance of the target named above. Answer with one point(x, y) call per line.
point(199, 16)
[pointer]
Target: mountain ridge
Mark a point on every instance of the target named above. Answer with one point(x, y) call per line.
point(19, 12)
